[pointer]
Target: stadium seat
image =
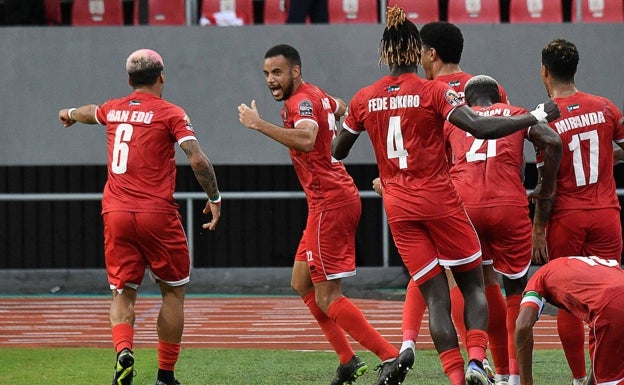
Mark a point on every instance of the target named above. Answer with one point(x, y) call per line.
point(598, 11)
point(52, 10)
point(418, 11)
point(160, 12)
point(226, 12)
point(97, 12)
point(275, 11)
point(474, 11)
point(353, 11)
point(535, 11)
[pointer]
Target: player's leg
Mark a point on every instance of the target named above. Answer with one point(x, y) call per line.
point(169, 326)
point(414, 307)
point(125, 269)
point(165, 247)
point(443, 333)
point(497, 320)
point(566, 236)
point(459, 248)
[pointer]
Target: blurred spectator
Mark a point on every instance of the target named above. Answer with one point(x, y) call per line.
point(299, 11)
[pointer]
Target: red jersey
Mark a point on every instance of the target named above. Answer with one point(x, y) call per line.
point(458, 82)
point(326, 183)
point(488, 173)
point(581, 285)
point(141, 133)
point(588, 126)
point(404, 117)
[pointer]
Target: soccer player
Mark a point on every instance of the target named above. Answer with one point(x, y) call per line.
point(488, 176)
point(443, 45)
point(591, 289)
point(326, 251)
point(404, 116)
point(585, 219)
point(142, 227)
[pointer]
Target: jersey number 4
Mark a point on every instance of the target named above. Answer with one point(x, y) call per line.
point(123, 135)
point(394, 142)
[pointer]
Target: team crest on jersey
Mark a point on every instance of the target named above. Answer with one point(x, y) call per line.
point(305, 108)
point(189, 125)
point(453, 99)
point(134, 103)
point(573, 107)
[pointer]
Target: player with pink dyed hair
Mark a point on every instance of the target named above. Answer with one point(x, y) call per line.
point(142, 227)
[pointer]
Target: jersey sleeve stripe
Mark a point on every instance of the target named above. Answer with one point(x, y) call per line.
point(185, 138)
point(350, 129)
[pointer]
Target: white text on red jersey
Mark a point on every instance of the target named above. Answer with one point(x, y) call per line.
point(579, 121)
point(130, 116)
point(393, 102)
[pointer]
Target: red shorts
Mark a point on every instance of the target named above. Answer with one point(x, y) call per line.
point(136, 241)
point(505, 233)
point(328, 242)
point(428, 245)
point(585, 232)
point(605, 343)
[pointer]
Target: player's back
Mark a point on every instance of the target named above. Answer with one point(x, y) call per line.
point(142, 130)
point(582, 285)
point(404, 117)
point(588, 126)
point(488, 173)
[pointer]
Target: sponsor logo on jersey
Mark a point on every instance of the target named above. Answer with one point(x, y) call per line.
point(393, 88)
point(573, 107)
point(453, 98)
point(305, 108)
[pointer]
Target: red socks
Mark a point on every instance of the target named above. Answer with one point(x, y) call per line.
point(453, 366)
point(351, 320)
point(123, 336)
point(572, 335)
point(457, 313)
point(168, 354)
point(513, 309)
point(413, 312)
point(497, 328)
point(476, 344)
point(334, 333)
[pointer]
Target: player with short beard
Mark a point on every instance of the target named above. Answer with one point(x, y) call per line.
point(326, 252)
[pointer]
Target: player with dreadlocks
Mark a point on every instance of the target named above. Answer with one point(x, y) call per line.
point(404, 116)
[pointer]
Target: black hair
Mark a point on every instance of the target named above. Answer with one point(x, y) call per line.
point(400, 44)
point(561, 58)
point(289, 52)
point(146, 73)
point(445, 38)
point(481, 86)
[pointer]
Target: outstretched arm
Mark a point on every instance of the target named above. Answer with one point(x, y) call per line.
point(524, 343)
point(549, 144)
point(204, 172)
point(493, 127)
point(300, 138)
point(83, 114)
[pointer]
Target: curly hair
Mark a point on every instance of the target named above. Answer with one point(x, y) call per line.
point(561, 58)
point(400, 44)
